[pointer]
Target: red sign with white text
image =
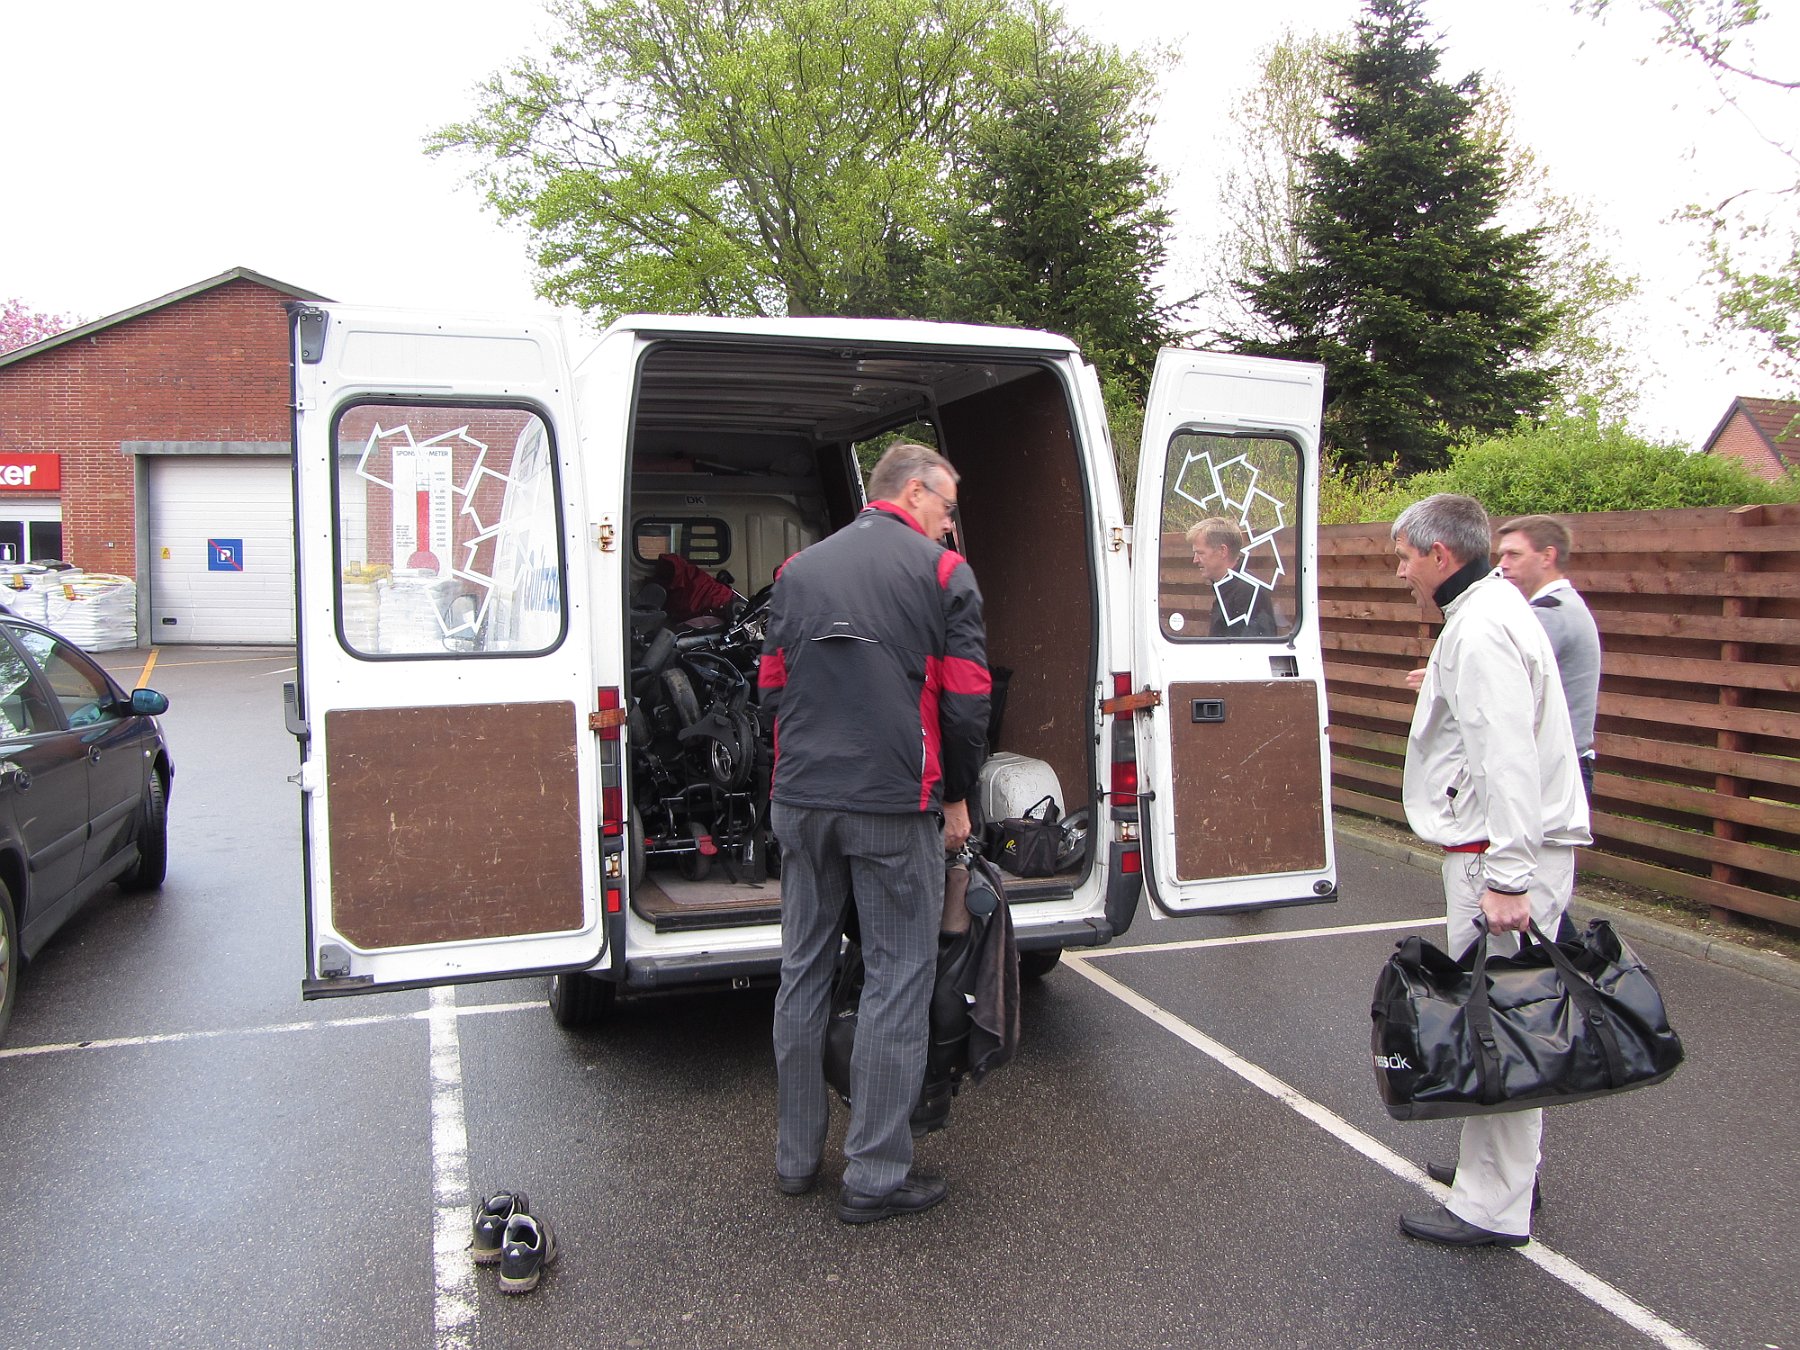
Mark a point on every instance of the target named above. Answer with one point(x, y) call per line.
point(30, 473)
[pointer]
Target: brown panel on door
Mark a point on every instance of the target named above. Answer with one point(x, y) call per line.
point(1026, 535)
point(452, 824)
point(1249, 799)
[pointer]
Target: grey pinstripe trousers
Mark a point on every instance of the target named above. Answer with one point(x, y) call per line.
point(894, 865)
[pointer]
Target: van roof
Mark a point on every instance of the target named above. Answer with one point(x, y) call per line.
point(917, 332)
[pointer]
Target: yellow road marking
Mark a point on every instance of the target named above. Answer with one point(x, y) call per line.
point(149, 666)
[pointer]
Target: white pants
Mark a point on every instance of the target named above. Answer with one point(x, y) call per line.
point(1498, 1163)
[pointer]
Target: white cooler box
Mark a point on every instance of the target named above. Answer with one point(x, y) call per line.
point(1012, 784)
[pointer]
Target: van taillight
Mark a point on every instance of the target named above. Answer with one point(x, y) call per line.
point(1122, 796)
point(606, 723)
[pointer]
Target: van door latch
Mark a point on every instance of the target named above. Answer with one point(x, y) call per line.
point(1209, 710)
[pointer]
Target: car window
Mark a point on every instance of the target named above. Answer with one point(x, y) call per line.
point(22, 706)
point(75, 682)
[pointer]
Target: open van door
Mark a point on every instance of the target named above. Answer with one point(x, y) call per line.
point(450, 776)
point(1233, 762)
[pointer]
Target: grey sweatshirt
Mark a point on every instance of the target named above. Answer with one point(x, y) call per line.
point(1575, 639)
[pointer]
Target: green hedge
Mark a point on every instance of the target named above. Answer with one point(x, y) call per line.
point(1570, 463)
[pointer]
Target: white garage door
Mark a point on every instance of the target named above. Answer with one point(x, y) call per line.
point(221, 548)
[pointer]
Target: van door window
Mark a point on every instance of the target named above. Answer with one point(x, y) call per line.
point(702, 540)
point(1227, 562)
point(448, 532)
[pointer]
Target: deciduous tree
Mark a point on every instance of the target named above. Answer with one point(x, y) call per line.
point(21, 325)
point(738, 156)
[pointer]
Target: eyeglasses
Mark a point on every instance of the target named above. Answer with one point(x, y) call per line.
point(948, 502)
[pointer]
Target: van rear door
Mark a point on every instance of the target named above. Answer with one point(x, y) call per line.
point(449, 769)
point(1233, 764)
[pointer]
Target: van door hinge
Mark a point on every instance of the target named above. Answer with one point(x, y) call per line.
point(605, 536)
point(1121, 538)
point(1138, 702)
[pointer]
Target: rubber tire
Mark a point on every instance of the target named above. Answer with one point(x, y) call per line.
point(10, 956)
point(153, 841)
point(695, 866)
point(579, 1001)
point(1034, 965)
point(680, 691)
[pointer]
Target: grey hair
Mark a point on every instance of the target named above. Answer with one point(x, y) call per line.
point(902, 462)
point(1459, 523)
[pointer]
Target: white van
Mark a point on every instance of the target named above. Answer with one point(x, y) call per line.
point(522, 752)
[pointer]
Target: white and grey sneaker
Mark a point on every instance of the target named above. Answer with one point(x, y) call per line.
point(491, 1217)
point(524, 1252)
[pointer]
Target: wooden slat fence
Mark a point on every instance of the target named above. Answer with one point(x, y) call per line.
point(1698, 786)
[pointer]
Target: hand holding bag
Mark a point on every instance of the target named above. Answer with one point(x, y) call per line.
point(1556, 1023)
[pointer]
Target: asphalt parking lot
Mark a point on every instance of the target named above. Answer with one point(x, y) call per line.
point(1188, 1151)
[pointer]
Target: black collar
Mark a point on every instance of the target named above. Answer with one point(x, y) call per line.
point(1459, 581)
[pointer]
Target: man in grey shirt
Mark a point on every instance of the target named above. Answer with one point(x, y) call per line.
point(1533, 550)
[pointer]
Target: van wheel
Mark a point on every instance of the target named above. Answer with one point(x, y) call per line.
point(153, 840)
point(579, 1001)
point(10, 956)
point(1034, 965)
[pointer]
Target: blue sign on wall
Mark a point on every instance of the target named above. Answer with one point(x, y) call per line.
point(224, 555)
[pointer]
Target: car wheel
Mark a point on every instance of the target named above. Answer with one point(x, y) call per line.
point(153, 840)
point(1034, 965)
point(579, 1001)
point(10, 956)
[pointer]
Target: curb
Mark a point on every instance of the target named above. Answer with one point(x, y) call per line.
point(1719, 951)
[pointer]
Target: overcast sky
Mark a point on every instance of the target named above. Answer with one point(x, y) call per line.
point(152, 146)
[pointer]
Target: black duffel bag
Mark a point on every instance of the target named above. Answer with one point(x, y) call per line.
point(1027, 845)
point(1558, 1022)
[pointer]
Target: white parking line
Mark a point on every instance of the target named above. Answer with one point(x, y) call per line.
point(276, 1029)
point(1588, 1285)
point(1248, 939)
point(454, 1308)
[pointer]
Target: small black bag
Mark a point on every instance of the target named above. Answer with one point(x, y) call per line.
point(1027, 845)
point(1558, 1022)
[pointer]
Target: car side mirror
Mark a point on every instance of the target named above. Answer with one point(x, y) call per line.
point(148, 703)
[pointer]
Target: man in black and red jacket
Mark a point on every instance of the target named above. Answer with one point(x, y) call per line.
point(875, 666)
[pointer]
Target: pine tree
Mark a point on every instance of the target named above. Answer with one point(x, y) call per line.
point(1416, 302)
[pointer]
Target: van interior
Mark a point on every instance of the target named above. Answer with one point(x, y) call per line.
point(742, 453)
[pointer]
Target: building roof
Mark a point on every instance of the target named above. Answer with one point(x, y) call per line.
point(1776, 420)
point(124, 315)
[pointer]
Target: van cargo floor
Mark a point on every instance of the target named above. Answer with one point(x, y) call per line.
point(675, 904)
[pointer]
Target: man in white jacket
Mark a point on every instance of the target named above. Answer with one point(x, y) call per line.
point(1491, 778)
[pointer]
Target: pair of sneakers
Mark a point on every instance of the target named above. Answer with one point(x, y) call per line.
point(509, 1236)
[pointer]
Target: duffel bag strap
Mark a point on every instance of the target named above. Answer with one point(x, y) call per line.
point(1593, 1007)
point(1481, 1021)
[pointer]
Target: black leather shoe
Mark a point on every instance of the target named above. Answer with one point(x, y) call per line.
point(919, 1192)
point(1443, 1227)
point(1445, 1175)
point(801, 1185)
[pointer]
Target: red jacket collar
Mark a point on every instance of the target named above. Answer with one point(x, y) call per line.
point(898, 511)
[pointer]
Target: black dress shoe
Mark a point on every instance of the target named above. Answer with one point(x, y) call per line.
point(800, 1185)
point(1445, 1175)
point(919, 1192)
point(1443, 1227)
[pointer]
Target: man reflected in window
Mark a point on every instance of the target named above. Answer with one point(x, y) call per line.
point(1240, 607)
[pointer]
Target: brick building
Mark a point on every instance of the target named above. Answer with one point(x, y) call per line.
point(1762, 434)
point(154, 444)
